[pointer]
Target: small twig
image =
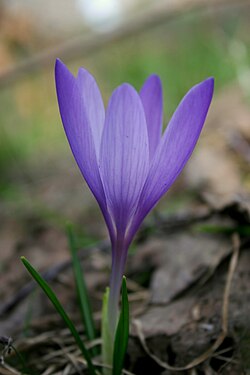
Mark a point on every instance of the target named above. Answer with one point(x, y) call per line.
point(82, 45)
point(102, 365)
point(232, 267)
point(69, 355)
point(226, 359)
point(11, 370)
point(143, 295)
point(49, 370)
point(7, 346)
point(207, 354)
point(49, 275)
point(223, 351)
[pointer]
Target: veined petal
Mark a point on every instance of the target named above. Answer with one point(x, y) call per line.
point(77, 129)
point(93, 104)
point(124, 154)
point(175, 148)
point(152, 100)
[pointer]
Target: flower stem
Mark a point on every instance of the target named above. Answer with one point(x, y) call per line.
point(118, 264)
point(110, 313)
point(119, 256)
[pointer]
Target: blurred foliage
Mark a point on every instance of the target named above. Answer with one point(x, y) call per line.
point(182, 52)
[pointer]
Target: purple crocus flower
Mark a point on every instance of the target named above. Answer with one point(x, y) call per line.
point(126, 161)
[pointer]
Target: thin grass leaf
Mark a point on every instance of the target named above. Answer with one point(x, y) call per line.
point(54, 300)
point(122, 333)
point(25, 370)
point(84, 302)
point(242, 230)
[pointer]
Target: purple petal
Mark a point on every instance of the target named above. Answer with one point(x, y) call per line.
point(175, 148)
point(93, 105)
point(124, 154)
point(77, 129)
point(151, 96)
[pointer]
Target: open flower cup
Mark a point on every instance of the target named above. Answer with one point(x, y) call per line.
point(122, 154)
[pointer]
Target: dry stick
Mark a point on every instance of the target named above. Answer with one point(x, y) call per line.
point(207, 354)
point(69, 355)
point(104, 366)
point(9, 370)
point(49, 275)
point(82, 46)
point(49, 370)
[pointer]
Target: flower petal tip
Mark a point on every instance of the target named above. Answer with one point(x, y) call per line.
point(59, 65)
point(58, 61)
point(209, 84)
point(84, 72)
point(155, 78)
point(61, 69)
point(203, 90)
point(152, 83)
point(125, 90)
point(125, 87)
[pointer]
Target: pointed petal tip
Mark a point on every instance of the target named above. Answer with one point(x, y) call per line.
point(63, 77)
point(154, 77)
point(58, 61)
point(124, 89)
point(60, 68)
point(152, 81)
point(59, 64)
point(208, 84)
point(210, 81)
point(209, 87)
point(83, 71)
point(204, 89)
point(126, 86)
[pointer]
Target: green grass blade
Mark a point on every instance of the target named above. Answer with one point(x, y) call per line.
point(25, 369)
point(85, 307)
point(122, 333)
point(51, 295)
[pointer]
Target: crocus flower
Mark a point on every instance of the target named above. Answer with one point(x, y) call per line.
point(125, 159)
